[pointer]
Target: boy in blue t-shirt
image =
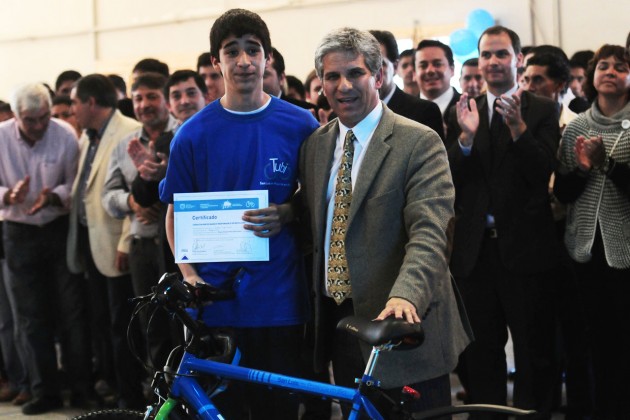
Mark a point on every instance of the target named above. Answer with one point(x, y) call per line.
point(248, 140)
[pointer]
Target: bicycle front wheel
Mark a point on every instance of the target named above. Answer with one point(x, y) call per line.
point(111, 415)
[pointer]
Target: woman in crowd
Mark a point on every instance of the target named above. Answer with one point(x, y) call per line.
point(594, 179)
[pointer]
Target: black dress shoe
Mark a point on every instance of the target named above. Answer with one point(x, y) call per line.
point(41, 405)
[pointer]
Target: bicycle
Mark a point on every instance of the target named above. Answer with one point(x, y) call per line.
point(212, 354)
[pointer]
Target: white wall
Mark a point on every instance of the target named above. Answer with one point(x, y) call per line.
point(41, 38)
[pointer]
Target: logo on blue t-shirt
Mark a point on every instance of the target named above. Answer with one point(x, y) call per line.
point(277, 170)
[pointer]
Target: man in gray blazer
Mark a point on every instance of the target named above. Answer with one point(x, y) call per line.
point(393, 236)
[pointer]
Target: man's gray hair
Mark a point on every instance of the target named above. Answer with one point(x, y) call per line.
point(30, 97)
point(353, 41)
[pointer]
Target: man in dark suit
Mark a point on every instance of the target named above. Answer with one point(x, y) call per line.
point(275, 78)
point(420, 110)
point(379, 198)
point(501, 158)
point(435, 68)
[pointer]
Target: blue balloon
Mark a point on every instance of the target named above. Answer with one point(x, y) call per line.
point(462, 58)
point(478, 21)
point(463, 42)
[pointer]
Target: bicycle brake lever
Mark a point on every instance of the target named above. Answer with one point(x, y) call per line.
point(139, 299)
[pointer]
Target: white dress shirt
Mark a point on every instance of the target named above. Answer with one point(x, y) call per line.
point(441, 101)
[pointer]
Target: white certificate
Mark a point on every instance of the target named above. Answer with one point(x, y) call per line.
point(209, 228)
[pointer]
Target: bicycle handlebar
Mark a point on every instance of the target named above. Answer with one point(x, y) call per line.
point(171, 292)
point(174, 295)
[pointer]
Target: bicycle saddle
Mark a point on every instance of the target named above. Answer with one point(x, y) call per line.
point(400, 333)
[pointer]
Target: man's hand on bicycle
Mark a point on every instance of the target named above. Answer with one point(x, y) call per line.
point(400, 308)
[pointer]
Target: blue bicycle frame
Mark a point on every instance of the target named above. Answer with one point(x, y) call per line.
point(184, 387)
point(188, 389)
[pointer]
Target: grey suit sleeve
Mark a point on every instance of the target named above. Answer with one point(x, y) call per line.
point(429, 204)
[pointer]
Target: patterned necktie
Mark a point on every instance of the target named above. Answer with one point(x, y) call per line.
point(338, 282)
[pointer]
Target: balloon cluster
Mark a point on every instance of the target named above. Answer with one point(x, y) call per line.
point(464, 41)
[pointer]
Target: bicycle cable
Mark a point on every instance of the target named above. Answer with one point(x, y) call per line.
point(130, 341)
point(149, 355)
point(134, 349)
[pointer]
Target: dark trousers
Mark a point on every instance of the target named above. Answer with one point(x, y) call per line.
point(497, 299)
point(606, 292)
point(13, 366)
point(145, 265)
point(47, 298)
point(348, 364)
point(272, 349)
point(572, 350)
point(315, 408)
point(110, 313)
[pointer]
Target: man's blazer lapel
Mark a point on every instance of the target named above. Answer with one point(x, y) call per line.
point(372, 161)
point(324, 151)
point(105, 148)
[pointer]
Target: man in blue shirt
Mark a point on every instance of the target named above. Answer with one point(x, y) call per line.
point(248, 140)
